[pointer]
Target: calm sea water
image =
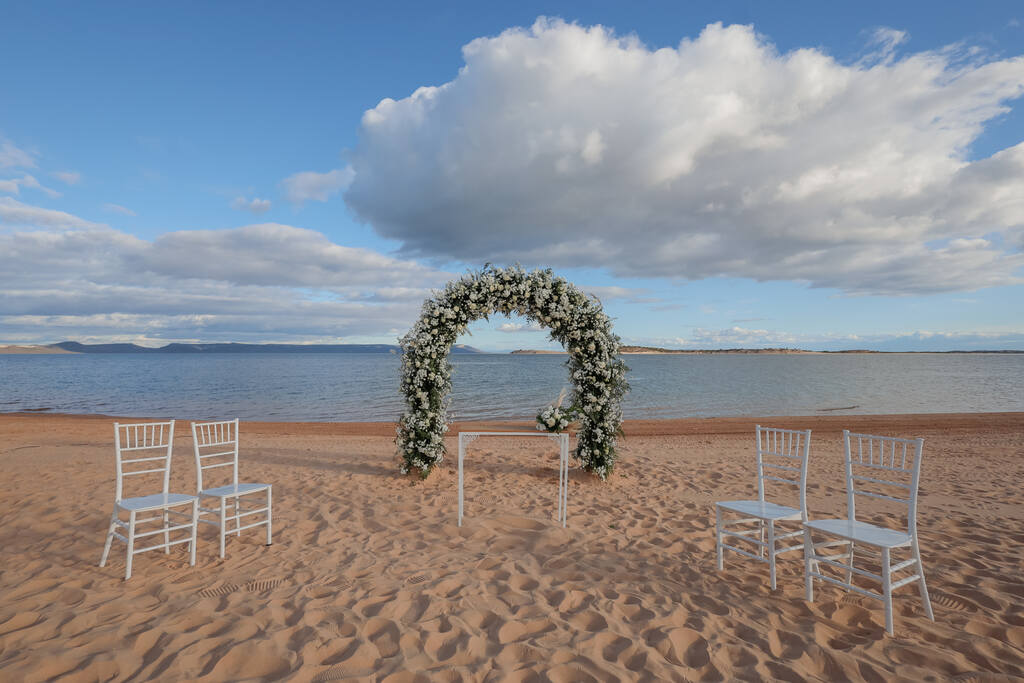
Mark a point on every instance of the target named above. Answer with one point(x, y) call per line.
point(364, 387)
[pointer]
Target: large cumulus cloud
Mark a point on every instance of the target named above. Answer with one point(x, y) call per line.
point(569, 145)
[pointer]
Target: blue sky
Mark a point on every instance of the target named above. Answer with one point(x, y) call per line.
point(719, 174)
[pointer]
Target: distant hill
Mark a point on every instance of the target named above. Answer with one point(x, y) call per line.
point(652, 350)
point(229, 347)
point(655, 350)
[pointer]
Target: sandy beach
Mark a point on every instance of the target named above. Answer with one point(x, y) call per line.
point(369, 578)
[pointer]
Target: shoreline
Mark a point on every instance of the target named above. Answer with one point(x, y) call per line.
point(831, 423)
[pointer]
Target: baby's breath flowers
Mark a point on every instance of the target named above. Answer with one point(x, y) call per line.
point(554, 418)
point(575, 320)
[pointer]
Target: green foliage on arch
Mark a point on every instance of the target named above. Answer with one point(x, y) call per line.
point(596, 370)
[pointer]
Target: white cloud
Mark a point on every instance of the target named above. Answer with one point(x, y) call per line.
point(14, 213)
point(520, 327)
point(885, 40)
point(254, 205)
point(72, 278)
point(11, 156)
point(69, 177)
point(117, 208)
point(569, 146)
point(310, 185)
point(740, 337)
point(636, 295)
point(275, 254)
point(14, 185)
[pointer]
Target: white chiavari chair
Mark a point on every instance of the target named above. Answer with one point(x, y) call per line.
point(782, 456)
point(216, 445)
point(145, 449)
point(883, 468)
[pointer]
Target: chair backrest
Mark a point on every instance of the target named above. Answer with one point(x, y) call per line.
point(143, 442)
point(885, 468)
point(216, 445)
point(782, 456)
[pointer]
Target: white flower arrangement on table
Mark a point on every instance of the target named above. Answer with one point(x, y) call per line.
point(575, 320)
point(554, 418)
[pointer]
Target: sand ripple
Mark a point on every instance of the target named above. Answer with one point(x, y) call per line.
point(370, 578)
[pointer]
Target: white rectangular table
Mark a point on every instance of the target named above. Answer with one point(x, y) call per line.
point(563, 464)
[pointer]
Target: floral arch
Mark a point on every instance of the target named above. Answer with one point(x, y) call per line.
point(577, 321)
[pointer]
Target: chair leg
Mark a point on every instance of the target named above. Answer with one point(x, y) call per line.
point(921, 584)
point(849, 572)
point(270, 516)
point(761, 550)
point(131, 546)
point(887, 589)
point(167, 534)
point(808, 564)
point(195, 529)
point(718, 537)
point(771, 552)
point(223, 524)
point(238, 521)
point(110, 538)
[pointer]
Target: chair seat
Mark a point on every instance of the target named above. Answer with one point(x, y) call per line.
point(157, 501)
point(233, 490)
point(861, 532)
point(761, 509)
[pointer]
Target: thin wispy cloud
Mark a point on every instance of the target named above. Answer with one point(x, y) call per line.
point(254, 205)
point(568, 145)
point(737, 337)
point(310, 185)
point(882, 45)
point(16, 214)
point(14, 185)
point(513, 327)
point(117, 208)
point(12, 156)
point(68, 177)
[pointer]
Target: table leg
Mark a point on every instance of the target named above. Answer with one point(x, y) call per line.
point(565, 480)
point(462, 455)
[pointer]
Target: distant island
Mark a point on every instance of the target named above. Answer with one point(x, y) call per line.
point(656, 350)
point(227, 347)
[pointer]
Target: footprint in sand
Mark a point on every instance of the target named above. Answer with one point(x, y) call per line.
point(384, 635)
point(953, 602)
point(519, 630)
point(319, 592)
point(680, 646)
point(218, 591)
point(785, 645)
point(611, 645)
point(417, 579)
point(259, 585)
point(589, 621)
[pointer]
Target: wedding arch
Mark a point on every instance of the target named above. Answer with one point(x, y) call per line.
point(574, 319)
